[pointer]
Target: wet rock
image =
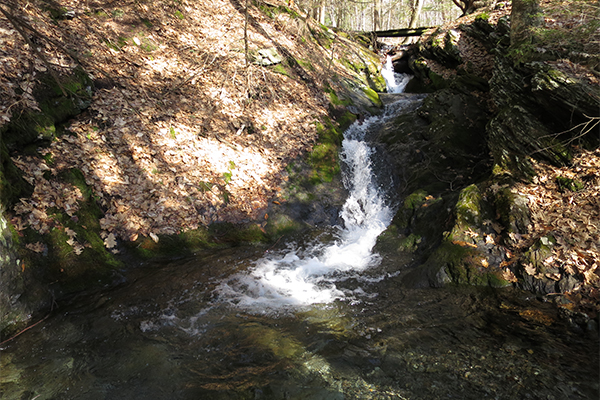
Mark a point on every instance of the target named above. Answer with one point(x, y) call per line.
point(20, 296)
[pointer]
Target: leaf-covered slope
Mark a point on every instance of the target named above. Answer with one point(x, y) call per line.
point(181, 132)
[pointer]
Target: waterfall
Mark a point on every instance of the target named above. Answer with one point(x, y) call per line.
point(300, 277)
point(303, 276)
point(395, 82)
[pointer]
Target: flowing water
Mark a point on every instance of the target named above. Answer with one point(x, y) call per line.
point(395, 82)
point(319, 318)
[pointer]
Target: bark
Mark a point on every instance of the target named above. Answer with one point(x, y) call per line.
point(524, 17)
point(376, 14)
point(415, 13)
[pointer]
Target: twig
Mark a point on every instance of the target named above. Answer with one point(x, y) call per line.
point(274, 244)
point(24, 330)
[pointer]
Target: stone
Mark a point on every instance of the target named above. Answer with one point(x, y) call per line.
point(268, 56)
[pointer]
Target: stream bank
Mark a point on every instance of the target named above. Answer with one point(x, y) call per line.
point(160, 159)
point(500, 165)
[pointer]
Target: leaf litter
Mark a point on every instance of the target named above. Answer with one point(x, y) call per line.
point(181, 132)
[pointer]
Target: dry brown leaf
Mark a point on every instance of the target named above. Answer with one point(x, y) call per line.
point(110, 241)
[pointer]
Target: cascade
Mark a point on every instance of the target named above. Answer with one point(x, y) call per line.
point(301, 277)
point(395, 82)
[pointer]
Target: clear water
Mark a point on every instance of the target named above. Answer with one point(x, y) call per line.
point(162, 336)
point(324, 318)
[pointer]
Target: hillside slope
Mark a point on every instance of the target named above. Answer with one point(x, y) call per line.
point(152, 124)
point(180, 132)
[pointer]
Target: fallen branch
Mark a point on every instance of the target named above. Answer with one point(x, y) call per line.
point(24, 330)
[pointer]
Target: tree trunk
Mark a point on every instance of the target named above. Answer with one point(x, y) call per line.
point(322, 14)
point(524, 17)
point(376, 15)
point(416, 11)
point(417, 6)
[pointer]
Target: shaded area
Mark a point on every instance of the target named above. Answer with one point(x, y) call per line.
point(161, 336)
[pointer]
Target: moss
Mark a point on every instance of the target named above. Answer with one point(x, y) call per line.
point(410, 243)
point(345, 120)
point(76, 271)
point(414, 200)
point(334, 99)
point(271, 10)
point(468, 207)
point(32, 126)
point(220, 234)
point(437, 81)
point(569, 184)
point(373, 96)
point(323, 158)
point(235, 234)
point(307, 65)
point(182, 244)
point(485, 16)
point(279, 225)
point(464, 267)
point(281, 69)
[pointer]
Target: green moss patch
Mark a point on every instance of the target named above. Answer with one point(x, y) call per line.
point(323, 158)
point(463, 266)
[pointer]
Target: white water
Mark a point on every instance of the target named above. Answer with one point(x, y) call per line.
point(394, 81)
point(301, 277)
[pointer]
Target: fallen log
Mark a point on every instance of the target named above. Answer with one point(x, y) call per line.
point(404, 32)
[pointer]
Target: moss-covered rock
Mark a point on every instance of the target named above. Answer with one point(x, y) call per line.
point(12, 184)
point(441, 145)
point(54, 107)
point(453, 263)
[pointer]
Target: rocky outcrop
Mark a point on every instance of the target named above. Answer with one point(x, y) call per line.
point(491, 117)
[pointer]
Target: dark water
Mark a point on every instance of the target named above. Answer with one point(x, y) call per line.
point(162, 336)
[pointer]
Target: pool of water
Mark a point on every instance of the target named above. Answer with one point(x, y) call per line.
point(162, 335)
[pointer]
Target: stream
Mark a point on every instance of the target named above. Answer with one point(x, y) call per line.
point(317, 317)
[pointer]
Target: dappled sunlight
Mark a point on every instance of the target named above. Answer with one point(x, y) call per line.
point(181, 132)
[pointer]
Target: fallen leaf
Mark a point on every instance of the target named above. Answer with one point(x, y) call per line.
point(38, 247)
point(110, 241)
point(530, 269)
point(154, 237)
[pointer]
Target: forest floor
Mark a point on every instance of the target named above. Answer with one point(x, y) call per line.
point(181, 132)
